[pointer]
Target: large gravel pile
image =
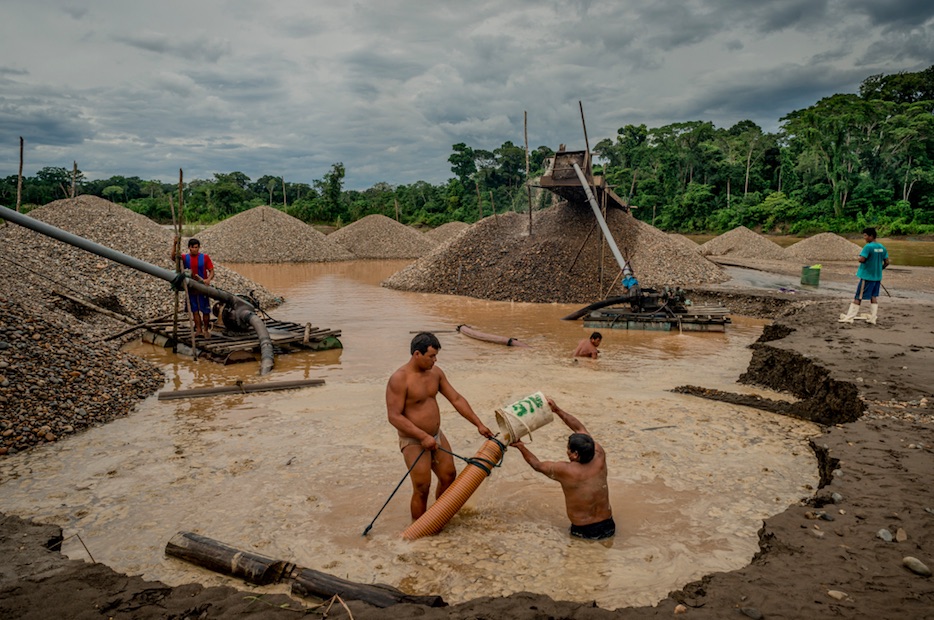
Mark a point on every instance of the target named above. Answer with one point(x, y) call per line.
point(55, 383)
point(39, 284)
point(825, 246)
point(267, 235)
point(377, 236)
point(446, 231)
point(743, 243)
point(684, 241)
point(497, 259)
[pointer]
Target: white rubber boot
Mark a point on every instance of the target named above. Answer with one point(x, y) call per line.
point(873, 313)
point(850, 314)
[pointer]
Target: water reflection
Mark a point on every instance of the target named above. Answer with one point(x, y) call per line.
point(298, 475)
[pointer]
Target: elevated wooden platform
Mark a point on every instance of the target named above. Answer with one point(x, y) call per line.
point(561, 179)
point(231, 347)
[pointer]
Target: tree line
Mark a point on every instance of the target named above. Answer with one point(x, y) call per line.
point(848, 161)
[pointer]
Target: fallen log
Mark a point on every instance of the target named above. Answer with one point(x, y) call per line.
point(310, 582)
point(218, 557)
point(240, 388)
point(261, 570)
point(475, 333)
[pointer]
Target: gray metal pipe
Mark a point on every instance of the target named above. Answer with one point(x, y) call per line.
point(243, 310)
point(603, 225)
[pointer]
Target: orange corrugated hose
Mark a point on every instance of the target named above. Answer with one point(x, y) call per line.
point(454, 497)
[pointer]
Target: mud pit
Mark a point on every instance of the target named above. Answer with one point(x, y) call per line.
point(298, 476)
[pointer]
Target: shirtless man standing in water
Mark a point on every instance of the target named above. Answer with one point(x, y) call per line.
point(583, 479)
point(412, 405)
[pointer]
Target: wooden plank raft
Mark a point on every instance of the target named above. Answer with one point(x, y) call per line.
point(230, 347)
point(697, 318)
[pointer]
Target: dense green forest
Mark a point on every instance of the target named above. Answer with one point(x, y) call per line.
point(848, 161)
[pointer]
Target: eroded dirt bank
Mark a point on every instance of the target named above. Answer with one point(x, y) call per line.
point(821, 558)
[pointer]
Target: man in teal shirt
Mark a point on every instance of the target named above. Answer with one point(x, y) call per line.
point(872, 260)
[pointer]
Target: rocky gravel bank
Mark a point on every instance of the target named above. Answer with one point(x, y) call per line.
point(54, 382)
point(69, 285)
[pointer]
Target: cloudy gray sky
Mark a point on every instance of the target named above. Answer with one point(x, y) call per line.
point(289, 87)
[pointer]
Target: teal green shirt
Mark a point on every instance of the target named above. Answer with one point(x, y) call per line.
point(875, 254)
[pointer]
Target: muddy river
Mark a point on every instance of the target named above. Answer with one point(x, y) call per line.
point(298, 475)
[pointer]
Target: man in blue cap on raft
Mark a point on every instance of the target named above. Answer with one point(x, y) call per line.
point(583, 479)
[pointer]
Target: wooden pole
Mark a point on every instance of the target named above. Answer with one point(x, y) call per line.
point(586, 141)
point(479, 203)
point(74, 181)
point(176, 249)
point(396, 202)
point(242, 388)
point(528, 180)
point(191, 320)
point(19, 179)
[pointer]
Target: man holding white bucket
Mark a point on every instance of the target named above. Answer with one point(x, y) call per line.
point(583, 479)
point(412, 406)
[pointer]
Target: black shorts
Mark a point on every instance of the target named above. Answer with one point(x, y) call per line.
point(595, 531)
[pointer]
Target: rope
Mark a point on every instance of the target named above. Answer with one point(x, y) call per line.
point(370, 526)
point(479, 462)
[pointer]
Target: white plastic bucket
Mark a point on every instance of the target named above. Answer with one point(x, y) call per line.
point(520, 418)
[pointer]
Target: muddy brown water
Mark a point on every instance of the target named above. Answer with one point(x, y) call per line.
point(299, 475)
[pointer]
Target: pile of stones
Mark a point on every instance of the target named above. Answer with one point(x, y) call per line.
point(54, 382)
point(266, 235)
point(377, 236)
point(744, 243)
point(564, 259)
point(823, 247)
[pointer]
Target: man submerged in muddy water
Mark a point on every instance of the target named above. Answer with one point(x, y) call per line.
point(412, 405)
point(583, 479)
point(588, 346)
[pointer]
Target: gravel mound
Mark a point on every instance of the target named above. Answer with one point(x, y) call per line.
point(684, 241)
point(497, 259)
point(825, 246)
point(55, 383)
point(40, 285)
point(743, 243)
point(266, 235)
point(445, 232)
point(377, 236)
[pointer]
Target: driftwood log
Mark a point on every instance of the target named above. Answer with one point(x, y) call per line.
point(308, 582)
point(261, 570)
point(218, 557)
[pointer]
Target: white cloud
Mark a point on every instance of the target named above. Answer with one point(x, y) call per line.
point(290, 87)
